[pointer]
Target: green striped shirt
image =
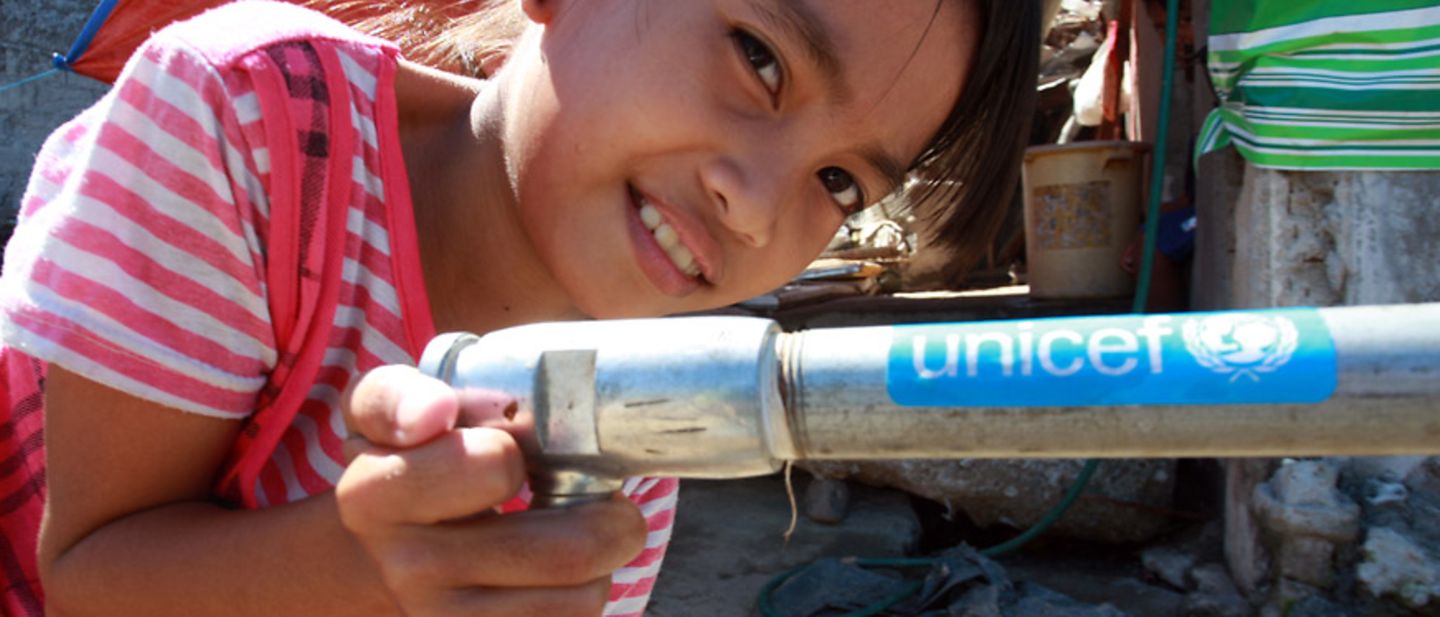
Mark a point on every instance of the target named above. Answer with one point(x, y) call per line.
point(1326, 84)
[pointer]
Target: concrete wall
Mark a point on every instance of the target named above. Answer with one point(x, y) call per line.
point(1284, 238)
point(1334, 238)
point(30, 31)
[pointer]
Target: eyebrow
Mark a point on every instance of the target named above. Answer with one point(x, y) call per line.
point(801, 22)
point(888, 166)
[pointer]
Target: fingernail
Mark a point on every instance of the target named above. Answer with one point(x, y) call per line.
point(407, 415)
point(418, 408)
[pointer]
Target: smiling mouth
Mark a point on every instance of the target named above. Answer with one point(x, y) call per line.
point(665, 236)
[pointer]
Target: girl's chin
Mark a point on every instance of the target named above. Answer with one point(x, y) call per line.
point(608, 308)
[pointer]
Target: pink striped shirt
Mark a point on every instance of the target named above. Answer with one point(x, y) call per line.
point(140, 258)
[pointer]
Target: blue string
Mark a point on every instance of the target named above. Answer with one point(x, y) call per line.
point(87, 34)
point(77, 49)
point(35, 77)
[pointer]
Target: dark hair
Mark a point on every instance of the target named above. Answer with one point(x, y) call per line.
point(966, 176)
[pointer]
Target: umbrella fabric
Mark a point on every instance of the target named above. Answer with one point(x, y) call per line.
point(128, 25)
point(130, 22)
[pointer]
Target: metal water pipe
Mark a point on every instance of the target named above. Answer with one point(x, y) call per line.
point(728, 397)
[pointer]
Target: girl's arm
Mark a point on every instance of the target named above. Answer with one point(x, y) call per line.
point(130, 530)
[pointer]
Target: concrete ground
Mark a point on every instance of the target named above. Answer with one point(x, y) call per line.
point(729, 542)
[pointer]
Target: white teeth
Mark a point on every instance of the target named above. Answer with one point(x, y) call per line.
point(668, 240)
point(650, 217)
point(665, 235)
point(682, 257)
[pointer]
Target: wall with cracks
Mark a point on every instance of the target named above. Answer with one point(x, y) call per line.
point(1328, 238)
point(1285, 238)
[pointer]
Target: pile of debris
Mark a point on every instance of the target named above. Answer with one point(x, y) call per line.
point(1341, 536)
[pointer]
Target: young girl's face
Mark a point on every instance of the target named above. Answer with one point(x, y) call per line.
point(677, 155)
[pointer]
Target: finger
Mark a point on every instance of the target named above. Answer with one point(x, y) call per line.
point(536, 548)
point(478, 407)
point(398, 406)
point(354, 446)
point(457, 474)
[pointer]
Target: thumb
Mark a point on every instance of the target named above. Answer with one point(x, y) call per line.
point(397, 406)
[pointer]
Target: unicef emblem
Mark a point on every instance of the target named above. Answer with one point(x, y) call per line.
point(1241, 343)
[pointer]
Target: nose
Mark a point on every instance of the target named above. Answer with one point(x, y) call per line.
point(747, 197)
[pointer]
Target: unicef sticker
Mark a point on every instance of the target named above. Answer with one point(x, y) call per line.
point(1241, 344)
point(1262, 356)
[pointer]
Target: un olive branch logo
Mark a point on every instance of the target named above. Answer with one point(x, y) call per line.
point(1241, 343)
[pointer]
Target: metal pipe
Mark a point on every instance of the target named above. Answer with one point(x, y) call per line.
point(601, 401)
point(725, 397)
point(1378, 393)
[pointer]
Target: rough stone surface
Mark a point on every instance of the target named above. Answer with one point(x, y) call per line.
point(827, 500)
point(1119, 505)
point(729, 542)
point(1286, 594)
point(1307, 517)
point(958, 581)
point(1332, 238)
point(1214, 595)
point(1169, 564)
point(30, 31)
point(1247, 557)
point(1384, 467)
point(1307, 238)
point(1302, 499)
point(1424, 478)
point(1316, 606)
point(1307, 559)
point(1089, 577)
point(1395, 566)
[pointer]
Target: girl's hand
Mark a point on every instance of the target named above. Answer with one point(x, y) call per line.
point(421, 495)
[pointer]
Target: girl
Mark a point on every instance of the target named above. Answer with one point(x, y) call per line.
point(271, 214)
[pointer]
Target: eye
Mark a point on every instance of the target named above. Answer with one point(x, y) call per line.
point(843, 189)
point(761, 60)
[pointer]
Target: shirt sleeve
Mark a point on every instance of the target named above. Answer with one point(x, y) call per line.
point(137, 260)
point(632, 585)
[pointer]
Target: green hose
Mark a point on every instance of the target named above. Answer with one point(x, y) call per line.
point(1071, 495)
point(1142, 295)
point(1157, 170)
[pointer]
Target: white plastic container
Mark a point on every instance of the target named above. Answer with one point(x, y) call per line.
point(1082, 209)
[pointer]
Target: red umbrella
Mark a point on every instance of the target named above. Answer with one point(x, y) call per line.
point(118, 27)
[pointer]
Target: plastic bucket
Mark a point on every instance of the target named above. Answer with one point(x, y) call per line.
point(1082, 209)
